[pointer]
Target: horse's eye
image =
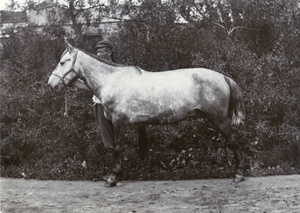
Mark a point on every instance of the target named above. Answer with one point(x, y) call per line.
point(61, 63)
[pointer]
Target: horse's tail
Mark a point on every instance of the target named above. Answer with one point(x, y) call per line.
point(236, 111)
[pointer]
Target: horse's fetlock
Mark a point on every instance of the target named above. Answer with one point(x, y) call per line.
point(117, 169)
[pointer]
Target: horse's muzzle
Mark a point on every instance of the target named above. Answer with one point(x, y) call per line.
point(54, 81)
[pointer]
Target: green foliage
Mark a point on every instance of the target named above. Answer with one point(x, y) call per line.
point(41, 138)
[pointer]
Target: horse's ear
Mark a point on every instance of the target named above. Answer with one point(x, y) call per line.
point(68, 45)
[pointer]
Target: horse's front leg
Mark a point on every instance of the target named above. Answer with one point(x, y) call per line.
point(116, 160)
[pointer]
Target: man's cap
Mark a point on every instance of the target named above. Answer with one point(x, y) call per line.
point(104, 43)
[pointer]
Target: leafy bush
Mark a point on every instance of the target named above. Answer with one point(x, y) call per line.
point(42, 137)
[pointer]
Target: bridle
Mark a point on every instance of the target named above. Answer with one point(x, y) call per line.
point(62, 78)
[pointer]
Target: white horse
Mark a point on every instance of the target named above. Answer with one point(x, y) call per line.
point(131, 95)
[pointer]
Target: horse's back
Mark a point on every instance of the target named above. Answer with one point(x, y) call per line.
point(179, 77)
point(191, 85)
point(170, 95)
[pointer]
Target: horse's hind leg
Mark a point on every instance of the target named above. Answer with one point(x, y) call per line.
point(225, 127)
point(239, 159)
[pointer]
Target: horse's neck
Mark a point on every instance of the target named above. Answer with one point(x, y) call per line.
point(94, 72)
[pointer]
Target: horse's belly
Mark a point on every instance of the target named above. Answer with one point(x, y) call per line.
point(159, 115)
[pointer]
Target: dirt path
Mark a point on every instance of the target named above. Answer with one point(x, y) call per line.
point(262, 194)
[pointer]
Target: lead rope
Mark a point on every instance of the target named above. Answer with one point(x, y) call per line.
point(66, 104)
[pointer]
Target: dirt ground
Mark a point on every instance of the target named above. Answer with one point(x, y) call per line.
point(256, 194)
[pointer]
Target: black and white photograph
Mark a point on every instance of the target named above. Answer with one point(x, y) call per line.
point(146, 106)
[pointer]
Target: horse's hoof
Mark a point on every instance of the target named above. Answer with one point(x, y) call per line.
point(238, 178)
point(105, 178)
point(110, 184)
point(111, 181)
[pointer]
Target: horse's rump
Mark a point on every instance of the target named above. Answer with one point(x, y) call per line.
point(236, 111)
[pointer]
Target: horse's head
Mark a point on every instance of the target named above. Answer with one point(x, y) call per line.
point(65, 72)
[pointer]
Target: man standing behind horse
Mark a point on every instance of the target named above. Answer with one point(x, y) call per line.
point(104, 49)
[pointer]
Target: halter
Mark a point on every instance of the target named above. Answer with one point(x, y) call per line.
point(71, 70)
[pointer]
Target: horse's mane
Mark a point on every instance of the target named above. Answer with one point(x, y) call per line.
point(96, 57)
point(99, 58)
